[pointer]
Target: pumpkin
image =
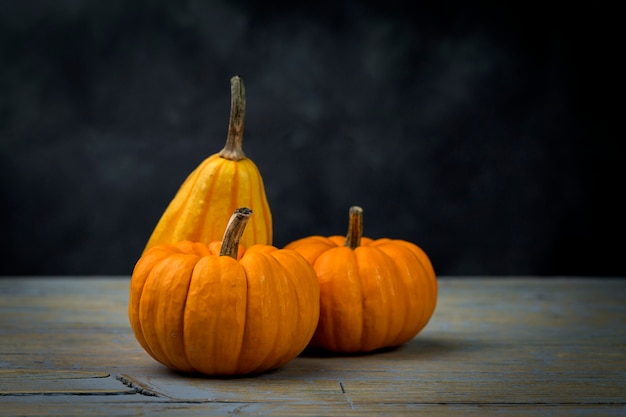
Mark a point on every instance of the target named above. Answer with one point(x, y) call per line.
point(222, 309)
point(373, 293)
point(221, 183)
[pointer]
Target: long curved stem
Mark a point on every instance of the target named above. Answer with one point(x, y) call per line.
point(234, 230)
point(233, 149)
point(355, 227)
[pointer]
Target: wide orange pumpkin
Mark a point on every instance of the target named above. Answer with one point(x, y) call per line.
point(373, 293)
point(219, 309)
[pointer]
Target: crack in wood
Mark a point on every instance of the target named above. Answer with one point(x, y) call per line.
point(238, 409)
point(138, 388)
point(346, 396)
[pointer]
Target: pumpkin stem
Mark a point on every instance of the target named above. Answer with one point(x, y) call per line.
point(234, 231)
point(355, 227)
point(233, 149)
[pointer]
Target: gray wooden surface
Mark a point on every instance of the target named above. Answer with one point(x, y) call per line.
point(495, 346)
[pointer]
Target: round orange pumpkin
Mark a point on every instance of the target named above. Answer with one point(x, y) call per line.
point(373, 293)
point(219, 309)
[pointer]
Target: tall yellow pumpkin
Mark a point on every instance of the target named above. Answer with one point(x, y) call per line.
point(220, 184)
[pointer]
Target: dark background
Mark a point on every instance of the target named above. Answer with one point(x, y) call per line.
point(480, 132)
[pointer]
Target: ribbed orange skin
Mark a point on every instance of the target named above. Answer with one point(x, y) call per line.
point(204, 202)
point(195, 311)
point(380, 294)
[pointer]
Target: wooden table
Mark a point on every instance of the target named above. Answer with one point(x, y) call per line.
point(495, 346)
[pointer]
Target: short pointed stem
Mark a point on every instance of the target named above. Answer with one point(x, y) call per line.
point(355, 227)
point(233, 149)
point(234, 230)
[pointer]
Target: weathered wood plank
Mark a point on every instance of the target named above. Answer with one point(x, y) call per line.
point(255, 389)
point(419, 388)
point(52, 382)
point(512, 346)
point(114, 406)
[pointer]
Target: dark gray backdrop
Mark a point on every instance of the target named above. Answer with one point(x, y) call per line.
point(477, 132)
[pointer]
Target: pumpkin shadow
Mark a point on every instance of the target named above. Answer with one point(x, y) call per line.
point(319, 353)
point(418, 347)
point(422, 348)
point(426, 347)
point(198, 375)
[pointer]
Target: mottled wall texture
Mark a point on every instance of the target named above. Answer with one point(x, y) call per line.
point(478, 132)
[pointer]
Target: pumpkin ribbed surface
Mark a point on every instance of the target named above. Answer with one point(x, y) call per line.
point(195, 311)
point(373, 293)
point(199, 211)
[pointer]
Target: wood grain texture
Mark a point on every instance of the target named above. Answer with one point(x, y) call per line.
point(515, 346)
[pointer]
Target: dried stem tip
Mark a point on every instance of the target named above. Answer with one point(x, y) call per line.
point(233, 149)
point(355, 227)
point(234, 230)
